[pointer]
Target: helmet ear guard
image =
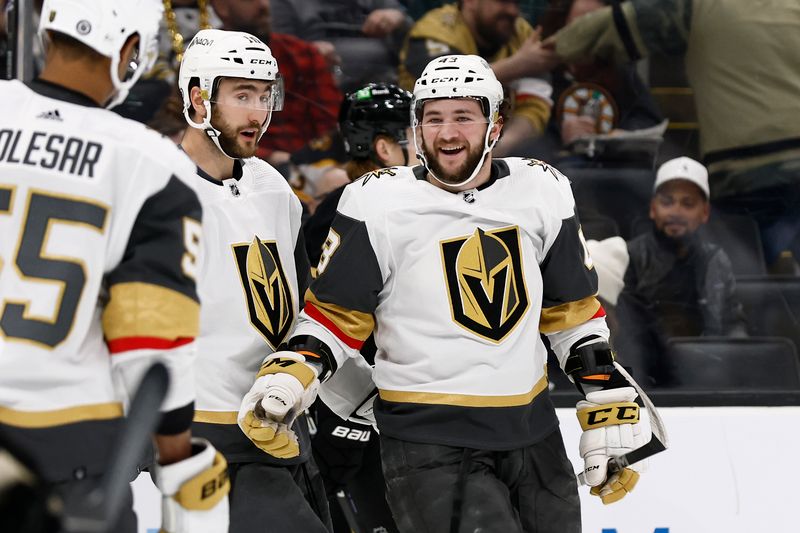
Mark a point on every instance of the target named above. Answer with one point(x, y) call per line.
point(458, 76)
point(215, 54)
point(105, 27)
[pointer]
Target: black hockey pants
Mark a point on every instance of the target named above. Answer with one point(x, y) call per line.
point(439, 489)
point(277, 499)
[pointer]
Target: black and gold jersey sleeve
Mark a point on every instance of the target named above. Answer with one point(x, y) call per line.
point(569, 281)
point(153, 302)
point(344, 294)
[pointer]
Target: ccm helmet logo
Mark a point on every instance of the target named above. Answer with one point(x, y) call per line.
point(444, 80)
point(260, 61)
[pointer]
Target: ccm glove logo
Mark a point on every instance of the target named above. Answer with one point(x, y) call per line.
point(361, 435)
point(609, 415)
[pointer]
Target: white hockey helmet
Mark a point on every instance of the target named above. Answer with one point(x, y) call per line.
point(458, 76)
point(214, 54)
point(104, 27)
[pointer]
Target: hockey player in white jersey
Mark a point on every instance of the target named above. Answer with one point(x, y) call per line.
point(252, 275)
point(457, 266)
point(97, 266)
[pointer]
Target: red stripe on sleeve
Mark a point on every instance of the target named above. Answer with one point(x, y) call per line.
point(317, 315)
point(127, 344)
point(600, 313)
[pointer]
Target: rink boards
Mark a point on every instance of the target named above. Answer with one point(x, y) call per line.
point(728, 470)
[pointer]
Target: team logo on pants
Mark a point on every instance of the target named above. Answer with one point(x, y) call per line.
point(269, 300)
point(485, 282)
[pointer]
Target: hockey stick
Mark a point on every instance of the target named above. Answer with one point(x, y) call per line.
point(658, 440)
point(347, 507)
point(98, 508)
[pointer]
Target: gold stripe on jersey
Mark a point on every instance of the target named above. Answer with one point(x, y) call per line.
point(59, 417)
point(354, 324)
point(464, 400)
point(568, 315)
point(139, 309)
point(216, 417)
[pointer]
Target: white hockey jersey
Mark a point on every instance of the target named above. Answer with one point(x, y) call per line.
point(97, 258)
point(250, 269)
point(457, 288)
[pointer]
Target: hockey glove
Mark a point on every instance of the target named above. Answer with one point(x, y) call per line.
point(338, 446)
point(194, 491)
point(284, 388)
point(610, 422)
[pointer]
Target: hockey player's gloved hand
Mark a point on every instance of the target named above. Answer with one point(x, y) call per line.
point(195, 491)
point(610, 422)
point(284, 388)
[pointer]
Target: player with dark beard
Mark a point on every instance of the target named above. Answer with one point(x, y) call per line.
point(253, 271)
point(457, 266)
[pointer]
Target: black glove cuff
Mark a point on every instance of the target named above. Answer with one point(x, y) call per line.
point(315, 352)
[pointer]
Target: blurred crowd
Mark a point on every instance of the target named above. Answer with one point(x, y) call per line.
point(675, 120)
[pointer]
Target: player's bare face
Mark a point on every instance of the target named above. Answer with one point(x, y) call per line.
point(678, 208)
point(239, 111)
point(453, 133)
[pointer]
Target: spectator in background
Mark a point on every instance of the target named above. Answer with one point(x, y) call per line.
point(594, 98)
point(676, 284)
point(312, 98)
point(182, 20)
point(360, 38)
point(531, 10)
point(494, 30)
point(745, 73)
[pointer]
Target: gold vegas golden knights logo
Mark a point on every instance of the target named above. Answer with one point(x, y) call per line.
point(485, 282)
point(269, 300)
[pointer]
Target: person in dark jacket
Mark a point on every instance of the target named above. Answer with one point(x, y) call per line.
point(677, 284)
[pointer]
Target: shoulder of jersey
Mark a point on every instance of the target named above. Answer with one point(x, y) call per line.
point(544, 181)
point(265, 174)
point(383, 179)
point(536, 173)
point(375, 190)
point(114, 129)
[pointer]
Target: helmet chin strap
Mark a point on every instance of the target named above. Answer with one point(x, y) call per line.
point(487, 147)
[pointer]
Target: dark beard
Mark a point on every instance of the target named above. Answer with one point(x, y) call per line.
point(492, 37)
point(228, 137)
point(473, 158)
point(686, 242)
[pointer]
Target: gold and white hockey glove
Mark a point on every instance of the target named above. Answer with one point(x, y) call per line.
point(611, 427)
point(194, 491)
point(284, 387)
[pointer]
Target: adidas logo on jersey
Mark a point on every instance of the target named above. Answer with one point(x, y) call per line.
point(51, 115)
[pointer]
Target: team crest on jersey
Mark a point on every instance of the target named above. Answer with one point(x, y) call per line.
point(266, 288)
point(485, 281)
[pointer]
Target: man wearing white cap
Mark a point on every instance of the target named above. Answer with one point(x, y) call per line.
point(677, 284)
